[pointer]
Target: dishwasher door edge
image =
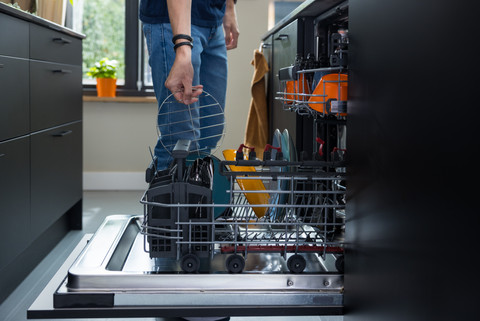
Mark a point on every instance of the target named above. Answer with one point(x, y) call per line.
point(181, 304)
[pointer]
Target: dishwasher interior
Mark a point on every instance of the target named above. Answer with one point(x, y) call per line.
point(187, 250)
point(240, 236)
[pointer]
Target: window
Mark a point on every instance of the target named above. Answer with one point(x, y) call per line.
point(113, 30)
point(147, 73)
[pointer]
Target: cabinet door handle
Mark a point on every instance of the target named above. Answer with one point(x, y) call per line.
point(282, 37)
point(63, 133)
point(1, 155)
point(62, 71)
point(61, 40)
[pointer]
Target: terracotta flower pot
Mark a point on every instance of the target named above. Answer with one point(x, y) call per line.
point(106, 87)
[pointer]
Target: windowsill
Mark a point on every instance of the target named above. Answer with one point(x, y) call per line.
point(122, 99)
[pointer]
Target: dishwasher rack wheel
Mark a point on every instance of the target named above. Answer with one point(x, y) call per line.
point(235, 263)
point(296, 263)
point(190, 263)
point(339, 264)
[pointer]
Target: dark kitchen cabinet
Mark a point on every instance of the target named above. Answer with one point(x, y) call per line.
point(14, 84)
point(15, 197)
point(56, 94)
point(55, 160)
point(291, 42)
point(285, 49)
point(291, 38)
point(53, 45)
point(40, 140)
point(14, 37)
point(413, 146)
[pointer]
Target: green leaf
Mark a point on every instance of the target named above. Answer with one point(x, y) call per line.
point(105, 68)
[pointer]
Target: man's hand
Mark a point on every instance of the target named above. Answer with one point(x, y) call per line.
point(180, 78)
point(230, 26)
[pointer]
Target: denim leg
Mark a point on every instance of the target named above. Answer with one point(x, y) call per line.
point(178, 121)
point(213, 75)
point(175, 120)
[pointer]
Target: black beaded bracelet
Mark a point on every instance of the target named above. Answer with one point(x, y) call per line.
point(187, 43)
point(181, 36)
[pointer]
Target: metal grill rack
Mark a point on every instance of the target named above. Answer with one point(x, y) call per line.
point(304, 214)
point(202, 122)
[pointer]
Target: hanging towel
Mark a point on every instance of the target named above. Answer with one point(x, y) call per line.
point(256, 131)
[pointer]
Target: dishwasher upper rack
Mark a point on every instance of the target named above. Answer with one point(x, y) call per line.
point(305, 214)
point(299, 89)
point(307, 192)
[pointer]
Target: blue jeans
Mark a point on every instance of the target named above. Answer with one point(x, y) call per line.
point(175, 120)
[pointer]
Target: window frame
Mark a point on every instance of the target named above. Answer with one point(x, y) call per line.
point(134, 57)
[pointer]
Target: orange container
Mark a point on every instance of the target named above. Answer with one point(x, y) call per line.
point(295, 87)
point(106, 87)
point(329, 86)
point(249, 184)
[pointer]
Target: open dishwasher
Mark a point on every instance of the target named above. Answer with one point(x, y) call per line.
point(187, 256)
point(237, 237)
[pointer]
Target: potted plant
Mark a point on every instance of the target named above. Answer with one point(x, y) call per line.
point(105, 71)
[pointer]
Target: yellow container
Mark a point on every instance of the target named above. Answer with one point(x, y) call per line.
point(249, 184)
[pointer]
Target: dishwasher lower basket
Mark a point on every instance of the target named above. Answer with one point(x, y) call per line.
point(305, 213)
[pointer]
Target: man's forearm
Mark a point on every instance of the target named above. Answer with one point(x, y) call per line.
point(230, 26)
point(179, 12)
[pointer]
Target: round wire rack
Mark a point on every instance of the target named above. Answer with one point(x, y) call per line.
point(203, 123)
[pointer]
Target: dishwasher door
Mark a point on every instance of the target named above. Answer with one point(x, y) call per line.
point(109, 275)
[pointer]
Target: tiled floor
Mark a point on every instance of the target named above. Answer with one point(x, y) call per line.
point(96, 206)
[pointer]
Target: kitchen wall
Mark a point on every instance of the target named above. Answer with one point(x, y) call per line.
point(117, 135)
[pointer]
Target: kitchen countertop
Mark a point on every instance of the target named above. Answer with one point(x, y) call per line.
point(308, 8)
point(11, 11)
